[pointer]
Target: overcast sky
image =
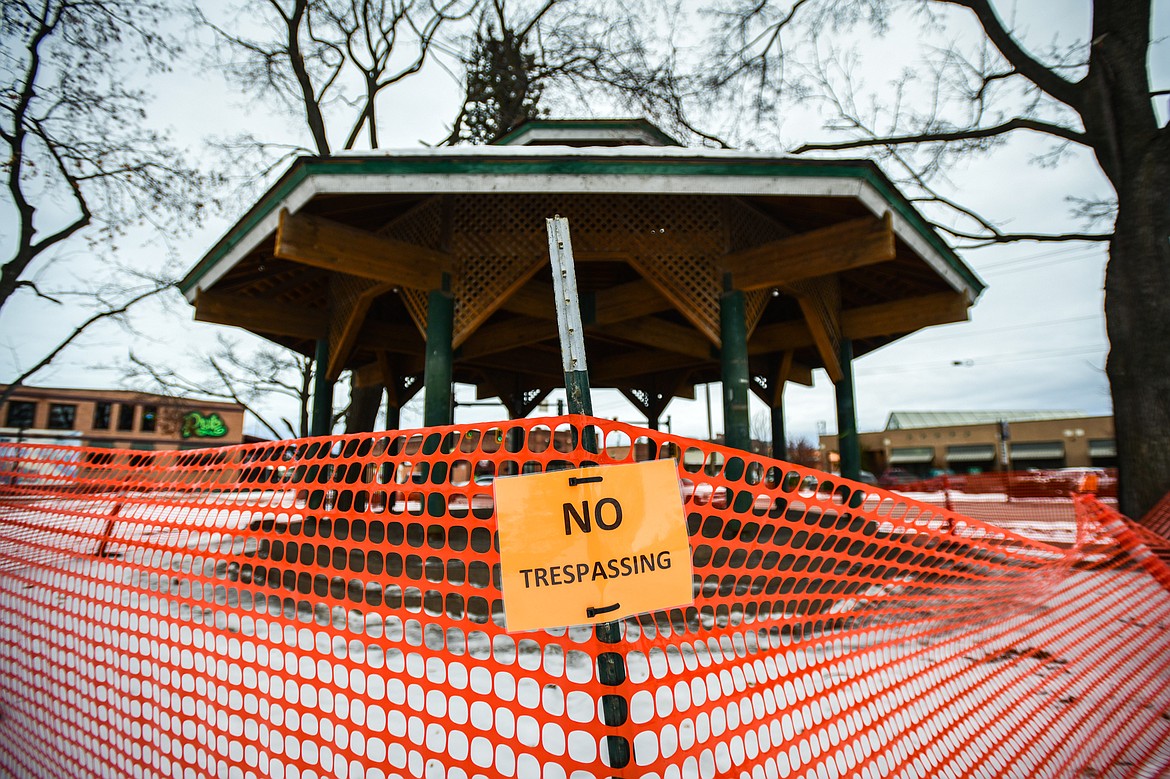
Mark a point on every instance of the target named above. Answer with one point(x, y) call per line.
point(1036, 339)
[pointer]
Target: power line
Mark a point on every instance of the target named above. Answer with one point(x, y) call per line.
point(1038, 261)
point(986, 360)
point(1006, 328)
point(1055, 252)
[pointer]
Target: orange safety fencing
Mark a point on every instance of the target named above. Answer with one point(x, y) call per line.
point(1038, 504)
point(332, 607)
point(1035, 484)
point(1157, 519)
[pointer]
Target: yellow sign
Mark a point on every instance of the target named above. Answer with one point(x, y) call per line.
point(592, 544)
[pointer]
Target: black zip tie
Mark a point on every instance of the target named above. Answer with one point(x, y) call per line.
point(593, 612)
point(574, 481)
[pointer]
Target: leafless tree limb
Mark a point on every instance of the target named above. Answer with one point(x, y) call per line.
point(77, 332)
point(1028, 66)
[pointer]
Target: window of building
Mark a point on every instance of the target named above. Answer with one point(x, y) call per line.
point(126, 416)
point(21, 414)
point(149, 419)
point(102, 413)
point(62, 416)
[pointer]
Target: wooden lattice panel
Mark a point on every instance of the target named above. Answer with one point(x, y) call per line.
point(415, 301)
point(747, 227)
point(349, 300)
point(421, 225)
point(820, 301)
point(754, 303)
point(500, 243)
point(676, 243)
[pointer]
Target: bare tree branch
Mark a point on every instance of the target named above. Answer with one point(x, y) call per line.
point(1032, 69)
point(251, 378)
point(26, 284)
point(176, 384)
point(948, 137)
point(77, 332)
point(998, 237)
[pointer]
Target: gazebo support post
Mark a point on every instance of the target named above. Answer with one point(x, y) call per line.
point(847, 440)
point(322, 421)
point(779, 436)
point(734, 353)
point(437, 368)
point(393, 415)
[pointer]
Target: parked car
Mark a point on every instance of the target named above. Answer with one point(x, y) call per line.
point(866, 477)
point(896, 477)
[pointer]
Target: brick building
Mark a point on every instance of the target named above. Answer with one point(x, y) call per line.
point(120, 419)
point(923, 442)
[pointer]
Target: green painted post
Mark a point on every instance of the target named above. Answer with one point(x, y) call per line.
point(847, 440)
point(437, 368)
point(322, 422)
point(733, 334)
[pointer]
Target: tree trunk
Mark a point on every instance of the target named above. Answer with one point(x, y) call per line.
point(363, 408)
point(1137, 316)
point(1134, 153)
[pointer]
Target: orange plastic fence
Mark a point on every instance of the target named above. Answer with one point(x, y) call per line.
point(1038, 504)
point(1157, 519)
point(331, 608)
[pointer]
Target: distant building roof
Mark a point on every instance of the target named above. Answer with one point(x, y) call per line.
point(909, 420)
point(26, 391)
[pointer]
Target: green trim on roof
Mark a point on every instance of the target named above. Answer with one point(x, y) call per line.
point(280, 190)
point(585, 124)
point(306, 167)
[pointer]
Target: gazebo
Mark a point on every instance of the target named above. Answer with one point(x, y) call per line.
point(416, 268)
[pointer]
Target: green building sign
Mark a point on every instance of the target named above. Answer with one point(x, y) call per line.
point(196, 425)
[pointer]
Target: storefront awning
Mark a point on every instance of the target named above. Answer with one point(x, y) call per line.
point(1038, 451)
point(912, 455)
point(971, 454)
point(1105, 447)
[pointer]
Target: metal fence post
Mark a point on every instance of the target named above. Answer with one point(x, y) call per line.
point(611, 665)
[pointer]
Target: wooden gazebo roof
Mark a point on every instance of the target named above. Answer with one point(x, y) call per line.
point(347, 248)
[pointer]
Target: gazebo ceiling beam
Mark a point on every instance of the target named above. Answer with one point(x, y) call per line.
point(502, 336)
point(396, 338)
point(322, 243)
point(259, 315)
point(376, 373)
point(773, 371)
point(627, 301)
point(658, 333)
point(348, 313)
point(301, 277)
point(529, 358)
point(829, 250)
point(820, 302)
point(637, 364)
point(898, 317)
point(905, 316)
point(617, 304)
point(533, 300)
point(646, 330)
point(499, 383)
